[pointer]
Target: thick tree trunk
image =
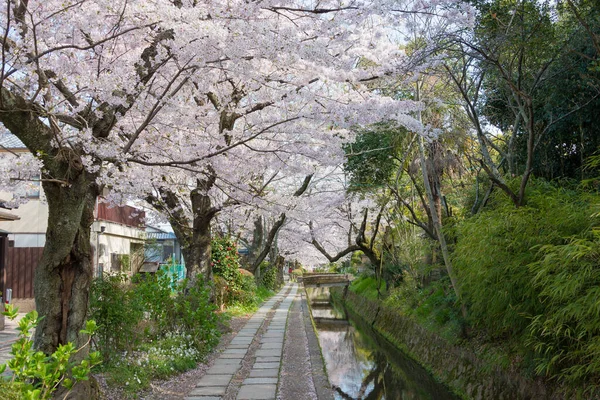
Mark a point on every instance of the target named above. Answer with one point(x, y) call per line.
point(64, 274)
point(193, 235)
point(65, 271)
point(197, 253)
point(258, 238)
point(269, 244)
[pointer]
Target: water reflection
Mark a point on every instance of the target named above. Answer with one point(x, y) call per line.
point(362, 365)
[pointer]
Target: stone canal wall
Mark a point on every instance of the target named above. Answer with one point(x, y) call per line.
point(458, 367)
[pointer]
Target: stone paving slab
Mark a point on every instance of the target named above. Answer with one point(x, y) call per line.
point(214, 380)
point(278, 339)
point(265, 365)
point(238, 345)
point(226, 361)
point(272, 345)
point(268, 359)
point(238, 356)
point(223, 369)
point(256, 381)
point(271, 339)
point(268, 353)
point(235, 351)
point(257, 392)
point(273, 334)
point(250, 334)
point(208, 391)
point(241, 340)
point(264, 373)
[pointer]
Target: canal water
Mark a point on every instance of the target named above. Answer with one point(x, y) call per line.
point(361, 364)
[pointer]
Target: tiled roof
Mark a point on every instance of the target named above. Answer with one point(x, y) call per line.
point(160, 235)
point(10, 141)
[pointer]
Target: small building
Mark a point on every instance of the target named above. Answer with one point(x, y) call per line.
point(118, 237)
point(163, 251)
point(162, 246)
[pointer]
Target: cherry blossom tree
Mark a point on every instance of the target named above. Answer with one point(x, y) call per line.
point(120, 94)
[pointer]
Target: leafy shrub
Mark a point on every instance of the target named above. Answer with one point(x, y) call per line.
point(37, 376)
point(10, 390)
point(434, 306)
point(566, 335)
point(168, 327)
point(226, 264)
point(238, 309)
point(225, 261)
point(154, 294)
point(296, 273)
point(494, 249)
point(531, 275)
point(194, 315)
point(367, 287)
point(174, 353)
point(269, 277)
point(113, 306)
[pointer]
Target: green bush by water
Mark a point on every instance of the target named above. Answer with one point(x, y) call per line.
point(530, 276)
point(366, 285)
point(530, 280)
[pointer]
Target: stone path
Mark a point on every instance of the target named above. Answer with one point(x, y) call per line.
point(249, 368)
point(8, 336)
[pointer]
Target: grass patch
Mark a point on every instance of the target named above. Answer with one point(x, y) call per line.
point(367, 286)
point(239, 309)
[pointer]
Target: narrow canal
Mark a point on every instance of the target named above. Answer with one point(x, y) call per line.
point(361, 364)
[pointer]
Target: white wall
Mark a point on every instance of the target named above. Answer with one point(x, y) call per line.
point(116, 238)
point(28, 239)
point(32, 224)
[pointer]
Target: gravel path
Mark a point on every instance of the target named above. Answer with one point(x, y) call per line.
point(295, 381)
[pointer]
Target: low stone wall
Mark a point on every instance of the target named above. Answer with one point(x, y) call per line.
point(457, 367)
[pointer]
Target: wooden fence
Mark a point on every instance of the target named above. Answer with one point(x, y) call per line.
point(19, 270)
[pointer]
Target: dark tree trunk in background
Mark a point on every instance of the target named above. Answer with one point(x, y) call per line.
point(194, 235)
point(258, 238)
point(279, 263)
point(270, 242)
point(199, 252)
